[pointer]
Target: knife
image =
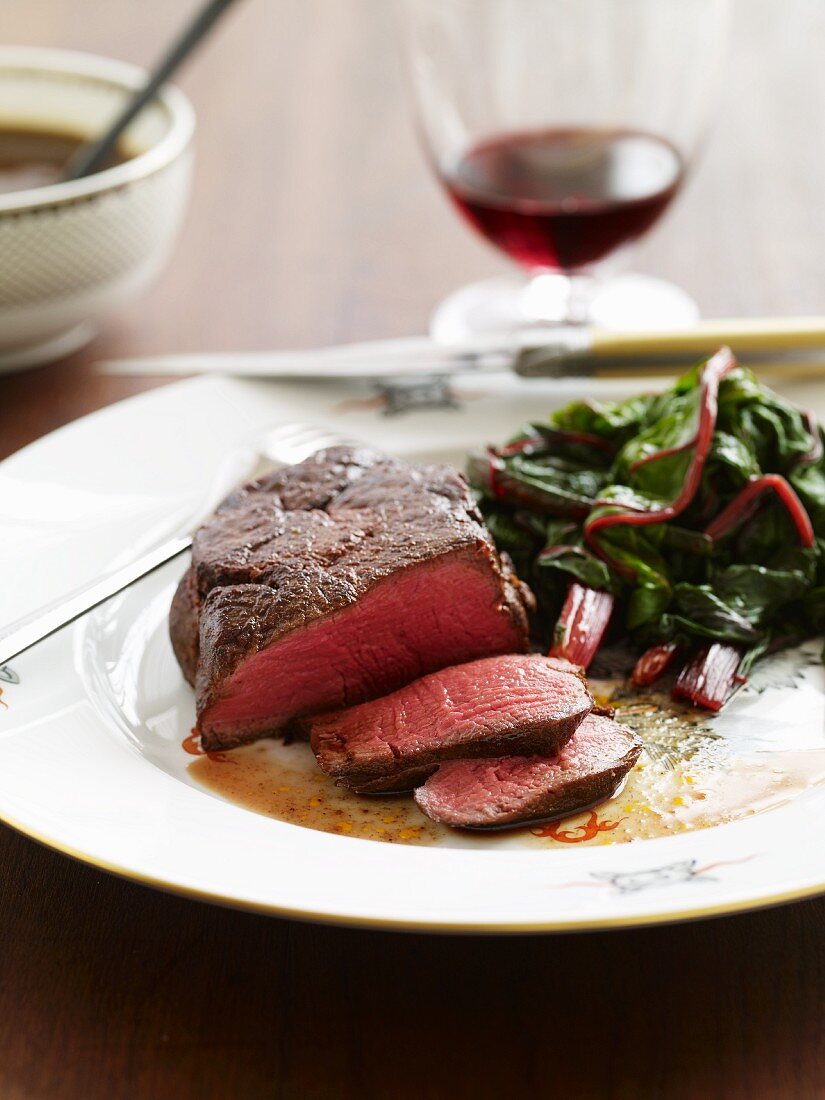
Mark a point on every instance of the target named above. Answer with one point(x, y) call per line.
point(538, 353)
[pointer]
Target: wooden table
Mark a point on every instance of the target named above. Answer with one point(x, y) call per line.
point(314, 220)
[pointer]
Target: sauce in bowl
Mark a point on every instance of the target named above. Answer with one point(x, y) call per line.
point(36, 158)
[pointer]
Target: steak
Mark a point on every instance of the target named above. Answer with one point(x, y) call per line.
point(333, 582)
point(514, 704)
point(492, 794)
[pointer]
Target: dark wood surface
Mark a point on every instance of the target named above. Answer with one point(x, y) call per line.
point(314, 220)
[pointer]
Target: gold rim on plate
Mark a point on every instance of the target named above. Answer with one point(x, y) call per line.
point(399, 925)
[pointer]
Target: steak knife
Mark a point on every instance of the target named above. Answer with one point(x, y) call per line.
point(778, 345)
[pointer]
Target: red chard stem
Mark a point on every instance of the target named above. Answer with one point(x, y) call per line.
point(744, 504)
point(708, 679)
point(719, 365)
point(582, 624)
point(653, 663)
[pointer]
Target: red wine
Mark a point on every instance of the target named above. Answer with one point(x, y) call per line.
point(560, 200)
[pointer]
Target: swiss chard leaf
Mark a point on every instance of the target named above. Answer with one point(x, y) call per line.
point(577, 564)
point(544, 489)
point(543, 441)
point(656, 459)
point(566, 553)
point(615, 421)
point(767, 533)
point(771, 427)
point(699, 611)
point(559, 476)
point(635, 550)
point(755, 592)
point(647, 601)
point(808, 479)
point(731, 459)
point(814, 608)
point(508, 534)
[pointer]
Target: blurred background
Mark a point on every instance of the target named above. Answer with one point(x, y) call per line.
point(315, 219)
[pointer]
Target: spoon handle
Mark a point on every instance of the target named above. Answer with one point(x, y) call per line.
point(91, 155)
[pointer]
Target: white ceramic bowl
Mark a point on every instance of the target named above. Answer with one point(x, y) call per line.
point(70, 253)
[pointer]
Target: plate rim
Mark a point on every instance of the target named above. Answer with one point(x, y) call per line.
point(679, 916)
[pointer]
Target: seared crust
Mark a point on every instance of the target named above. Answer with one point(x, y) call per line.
point(183, 625)
point(402, 783)
point(310, 540)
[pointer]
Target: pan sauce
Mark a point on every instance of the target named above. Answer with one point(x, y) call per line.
point(284, 781)
point(686, 779)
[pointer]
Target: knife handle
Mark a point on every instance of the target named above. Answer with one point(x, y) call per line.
point(745, 335)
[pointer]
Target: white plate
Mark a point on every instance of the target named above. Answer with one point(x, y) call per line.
point(91, 761)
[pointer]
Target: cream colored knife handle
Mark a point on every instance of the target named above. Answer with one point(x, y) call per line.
point(744, 334)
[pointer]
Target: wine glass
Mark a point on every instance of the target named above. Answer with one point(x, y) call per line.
point(562, 130)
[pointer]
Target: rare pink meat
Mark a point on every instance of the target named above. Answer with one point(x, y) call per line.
point(406, 625)
point(512, 704)
point(510, 790)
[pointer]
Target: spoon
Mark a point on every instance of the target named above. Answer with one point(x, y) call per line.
point(92, 154)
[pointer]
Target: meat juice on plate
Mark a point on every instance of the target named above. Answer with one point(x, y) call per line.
point(687, 778)
point(564, 199)
point(283, 781)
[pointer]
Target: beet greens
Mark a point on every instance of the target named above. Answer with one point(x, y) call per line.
point(691, 522)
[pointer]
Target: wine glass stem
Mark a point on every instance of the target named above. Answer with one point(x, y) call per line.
point(559, 299)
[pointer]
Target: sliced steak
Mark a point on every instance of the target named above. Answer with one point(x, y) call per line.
point(512, 790)
point(513, 704)
point(333, 582)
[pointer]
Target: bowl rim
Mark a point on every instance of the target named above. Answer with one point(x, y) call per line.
point(101, 70)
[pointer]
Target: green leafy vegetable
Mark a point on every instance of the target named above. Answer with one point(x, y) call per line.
point(701, 510)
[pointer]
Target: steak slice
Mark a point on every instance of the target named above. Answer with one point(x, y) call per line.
point(492, 794)
point(333, 582)
point(517, 703)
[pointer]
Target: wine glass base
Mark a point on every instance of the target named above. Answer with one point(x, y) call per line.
point(509, 305)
